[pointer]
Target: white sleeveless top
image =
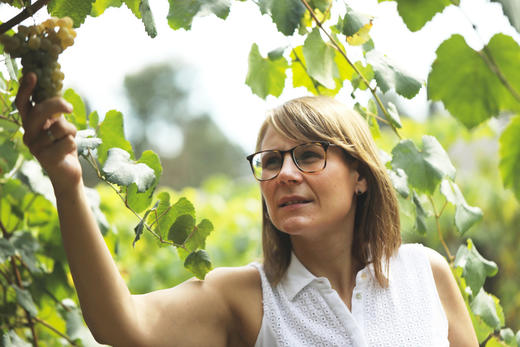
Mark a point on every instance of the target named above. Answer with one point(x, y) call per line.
point(304, 310)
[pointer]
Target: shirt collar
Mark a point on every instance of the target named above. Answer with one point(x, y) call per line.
point(296, 278)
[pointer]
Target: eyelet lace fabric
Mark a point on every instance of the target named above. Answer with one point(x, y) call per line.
point(304, 310)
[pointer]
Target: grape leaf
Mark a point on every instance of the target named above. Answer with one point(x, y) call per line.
point(484, 306)
point(426, 168)
point(8, 156)
point(75, 9)
point(416, 14)
point(27, 246)
point(31, 173)
point(121, 170)
point(508, 336)
point(6, 250)
point(471, 92)
point(265, 76)
point(93, 120)
point(99, 6)
point(147, 18)
point(139, 201)
point(182, 12)
point(465, 215)
point(10, 339)
point(112, 134)
point(76, 330)
point(138, 230)
point(198, 263)
point(181, 229)
point(399, 181)
point(321, 5)
point(394, 115)
point(166, 214)
point(24, 299)
point(420, 214)
point(286, 14)
point(353, 22)
point(78, 117)
point(511, 10)
point(510, 156)
point(320, 59)
point(85, 140)
point(475, 267)
point(198, 237)
point(94, 202)
point(390, 76)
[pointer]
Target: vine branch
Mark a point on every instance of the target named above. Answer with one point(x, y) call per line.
point(54, 330)
point(344, 55)
point(20, 17)
point(439, 232)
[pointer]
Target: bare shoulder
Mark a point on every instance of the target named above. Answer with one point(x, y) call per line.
point(461, 332)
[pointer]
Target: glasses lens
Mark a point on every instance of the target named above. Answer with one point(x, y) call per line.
point(310, 157)
point(266, 164)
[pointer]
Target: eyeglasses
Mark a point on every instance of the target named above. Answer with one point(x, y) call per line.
point(308, 157)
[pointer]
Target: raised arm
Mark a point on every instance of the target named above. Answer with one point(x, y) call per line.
point(194, 313)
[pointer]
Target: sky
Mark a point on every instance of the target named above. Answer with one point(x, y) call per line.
point(115, 44)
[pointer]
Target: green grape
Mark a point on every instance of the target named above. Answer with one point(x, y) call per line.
point(39, 46)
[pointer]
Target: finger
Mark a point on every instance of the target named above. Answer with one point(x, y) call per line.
point(40, 114)
point(57, 150)
point(55, 132)
point(22, 101)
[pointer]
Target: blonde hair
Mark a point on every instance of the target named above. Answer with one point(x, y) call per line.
point(376, 228)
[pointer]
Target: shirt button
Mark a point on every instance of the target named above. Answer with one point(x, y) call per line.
point(358, 296)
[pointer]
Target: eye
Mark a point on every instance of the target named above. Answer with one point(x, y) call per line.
point(271, 161)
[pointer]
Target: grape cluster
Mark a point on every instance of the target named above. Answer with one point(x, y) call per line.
point(39, 47)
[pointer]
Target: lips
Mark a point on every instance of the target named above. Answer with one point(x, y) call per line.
point(292, 200)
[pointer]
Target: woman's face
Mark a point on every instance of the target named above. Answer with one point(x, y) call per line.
point(310, 204)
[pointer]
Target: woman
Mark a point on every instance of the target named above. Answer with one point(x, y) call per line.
point(334, 272)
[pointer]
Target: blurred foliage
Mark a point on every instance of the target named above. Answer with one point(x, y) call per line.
point(475, 155)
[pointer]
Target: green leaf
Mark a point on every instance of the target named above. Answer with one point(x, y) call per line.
point(198, 263)
point(416, 14)
point(475, 267)
point(31, 173)
point(94, 202)
point(286, 14)
point(182, 12)
point(8, 157)
point(147, 18)
point(112, 134)
point(99, 6)
point(10, 339)
point(198, 237)
point(510, 156)
point(27, 246)
point(353, 22)
point(24, 299)
point(321, 5)
point(265, 76)
point(400, 181)
point(484, 306)
point(79, 114)
point(75, 9)
point(181, 229)
point(389, 76)
point(93, 120)
point(465, 215)
point(367, 71)
point(508, 336)
point(76, 329)
point(6, 250)
point(512, 12)
point(394, 115)
point(471, 92)
point(138, 230)
point(420, 215)
point(319, 58)
point(168, 214)
point(139, 201)
point(426, 168)
point(85, 140)
point(121, 170)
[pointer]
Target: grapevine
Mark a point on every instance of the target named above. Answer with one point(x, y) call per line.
point(39, 47)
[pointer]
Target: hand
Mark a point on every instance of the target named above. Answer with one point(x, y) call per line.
point(50, 140)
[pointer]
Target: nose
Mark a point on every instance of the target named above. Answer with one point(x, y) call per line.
point(289, 171)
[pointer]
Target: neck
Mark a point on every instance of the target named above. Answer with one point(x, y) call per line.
point(330, 258)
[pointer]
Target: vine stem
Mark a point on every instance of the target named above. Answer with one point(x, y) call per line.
point(54, 330)
point(342, 52)
point(20, 17)
point(439, 231)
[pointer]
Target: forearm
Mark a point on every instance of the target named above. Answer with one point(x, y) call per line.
point(104, 297)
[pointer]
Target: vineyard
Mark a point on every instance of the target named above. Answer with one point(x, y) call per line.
point(458, 211)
